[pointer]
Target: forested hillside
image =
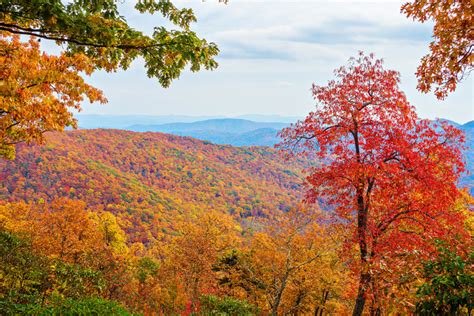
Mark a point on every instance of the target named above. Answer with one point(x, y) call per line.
point(153, 223)
point(149, 179)
point(361, 207)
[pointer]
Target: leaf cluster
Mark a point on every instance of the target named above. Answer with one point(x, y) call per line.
point(98, 30)
point(448, 284)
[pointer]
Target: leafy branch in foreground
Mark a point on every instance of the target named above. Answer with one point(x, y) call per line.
point(38, 90)
point(98, 30)
point(451, 52)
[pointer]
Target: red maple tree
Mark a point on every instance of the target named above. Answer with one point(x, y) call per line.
point(386, 173)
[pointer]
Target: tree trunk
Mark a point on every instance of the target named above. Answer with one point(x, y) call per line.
point(316, 311)
point(276, 303)
point(362, 208)
point(375, 311)
point(364, 281)
point(360, 301)
point(375, 307)
point(319, 310)
point(296, 305)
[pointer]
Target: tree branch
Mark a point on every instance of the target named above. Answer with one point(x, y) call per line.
point(15, 29)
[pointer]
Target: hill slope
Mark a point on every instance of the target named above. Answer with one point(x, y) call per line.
point(239, 132)
point(149, 179)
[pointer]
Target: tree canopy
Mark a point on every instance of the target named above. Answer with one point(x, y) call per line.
point(98, 30)
point(38, 91)
point(451, 51)
point(389, 176)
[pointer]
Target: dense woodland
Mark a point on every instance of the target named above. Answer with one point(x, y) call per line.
point(122, 222)
point(359, 209)
point(150, 179)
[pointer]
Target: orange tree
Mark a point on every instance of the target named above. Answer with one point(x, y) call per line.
point(388, 175)
point(37, 91)
point(451, 51)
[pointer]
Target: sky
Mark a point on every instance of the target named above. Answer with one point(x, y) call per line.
point(271, 52)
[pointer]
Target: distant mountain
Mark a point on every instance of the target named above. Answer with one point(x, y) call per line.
point(229, 125)
point(258, 137)
point(455, 124)
point(469, 125)
point(468, 179)
point(90, 121)
point(236, 132)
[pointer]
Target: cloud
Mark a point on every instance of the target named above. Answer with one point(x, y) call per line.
point(284, 84)
point(250, 50)
point(301, 30)
point(346, 32)
point(271, 52)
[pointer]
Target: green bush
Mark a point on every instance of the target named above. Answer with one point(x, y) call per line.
point(88, 306)
point(216, 306)
point(23, 274)
point(448, 286)
point(31, 284)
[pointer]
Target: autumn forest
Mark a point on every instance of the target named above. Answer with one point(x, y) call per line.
point(363, 207)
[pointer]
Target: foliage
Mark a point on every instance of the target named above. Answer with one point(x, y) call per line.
point(451, 51)
point(37, 92)
point(201, 242)
point(277, 271)
point(88, 306)
point(99, 30)
point(388, 176)
point(29, 279)
point(216, 306)
point(75, 281)
point(447, 289)
point(167, 276)
point(155, 222)
point(144, 179)
point(22, 272)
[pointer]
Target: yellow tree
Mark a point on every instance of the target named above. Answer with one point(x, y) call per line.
point(15, 217)
point(75, 239)
point(290, 266)
point(64, 230)
point(292, 257)
point(113, 235)
point(201, 242)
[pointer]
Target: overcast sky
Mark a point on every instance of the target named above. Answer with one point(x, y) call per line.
point(271, 53)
